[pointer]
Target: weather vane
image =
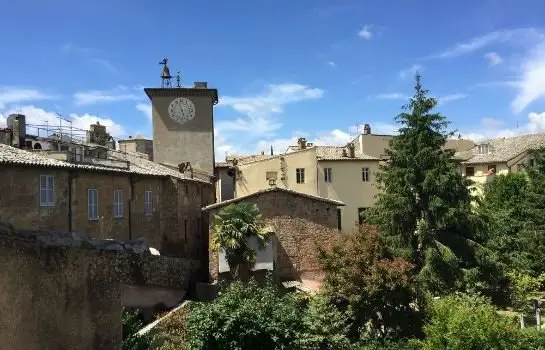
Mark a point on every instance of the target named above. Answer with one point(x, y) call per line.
point(178, 80)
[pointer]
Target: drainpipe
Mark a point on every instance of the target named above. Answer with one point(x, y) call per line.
point(71, 177)
point(131, 200)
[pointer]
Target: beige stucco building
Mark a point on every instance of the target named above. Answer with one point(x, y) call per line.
point(347, 174)
point(499, 156)
point(339, 173)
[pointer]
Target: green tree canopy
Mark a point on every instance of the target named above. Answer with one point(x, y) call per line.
point(380, 293)
point(232, 227)
point(424, 208)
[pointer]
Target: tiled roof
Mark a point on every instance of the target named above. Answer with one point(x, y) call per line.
point(337, 153)
point(223, 164)
point(249, 158)
point(273, 189)
point(502, 149)
point(137, 165)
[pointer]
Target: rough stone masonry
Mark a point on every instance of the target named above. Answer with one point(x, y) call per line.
point(63, 290)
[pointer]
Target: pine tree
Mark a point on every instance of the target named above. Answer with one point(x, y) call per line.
point(424, 208)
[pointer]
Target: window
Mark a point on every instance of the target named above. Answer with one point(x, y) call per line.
point(365, 174)
point(300, 175)
point(327, 174)
point(532, 162)
point(47, 191)
point(118, 203)
point(492, 169)
point(339, 219)
point(482, 149)
point(148, 203)
point(470, 171)
point(186, 187)
point(361, 215)
point(271, 175)
point(92, 204)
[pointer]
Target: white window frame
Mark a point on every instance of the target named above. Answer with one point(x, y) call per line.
point(148, 203)
point(47, 191)
point(300, 175)
point(118, 204)
point(328, 175)
point(92, 204)
point(365, 174)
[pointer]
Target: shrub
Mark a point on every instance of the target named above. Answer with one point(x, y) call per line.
point(172, 331)
point(381, 294)
point(131, 340)
point(325, 327)
point(461, 322)
point(246, 316)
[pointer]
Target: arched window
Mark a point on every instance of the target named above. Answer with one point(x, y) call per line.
point(37, 145)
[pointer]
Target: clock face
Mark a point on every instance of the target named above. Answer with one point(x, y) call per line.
point(181, 110)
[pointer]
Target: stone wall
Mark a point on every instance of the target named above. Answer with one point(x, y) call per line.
point(64, 291)
point(57, 298)
point(175, 227)
point(302, 225)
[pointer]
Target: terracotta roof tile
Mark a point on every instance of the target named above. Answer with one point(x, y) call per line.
point(338, 153)
point(137, 165)
point(502, 149)
point(273, 189)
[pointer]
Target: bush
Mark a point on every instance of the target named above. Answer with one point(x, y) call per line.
point(172, 331)
point(381, 294)
point(325, 327)
point(131, 340)
point(461, 322)
point(246, 316)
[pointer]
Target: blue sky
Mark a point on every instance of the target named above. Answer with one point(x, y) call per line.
point(284, 69)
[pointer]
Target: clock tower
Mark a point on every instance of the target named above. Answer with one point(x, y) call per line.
point(183, 126)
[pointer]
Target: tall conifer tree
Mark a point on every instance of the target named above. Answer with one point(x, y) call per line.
point(423, 208)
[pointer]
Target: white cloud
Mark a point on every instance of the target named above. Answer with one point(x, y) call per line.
point(452, 97)
point(411, 71)
point(260, 115)
point(366, 33)
point(120, 93)
point(332, 64)
point(145, 108)
point(491, 123)
point(493, 58)
point(532, 80)
point(516, 36)
point(91, 54)
point(12, 95)
point(259, 109)
point(392, 96)
point(534, 124)
point(41, 120)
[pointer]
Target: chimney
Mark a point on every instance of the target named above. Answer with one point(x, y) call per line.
point(130, 136)
point(17, 123)
point(367, 129)
point(262, 153)
point(272, 153)
point(302, 142)
point(200, 85)
point(351, 150)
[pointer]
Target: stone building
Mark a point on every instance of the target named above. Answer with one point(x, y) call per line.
point(301, 224)
point(138, 144)
point(183, 126)
point(122, 197)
